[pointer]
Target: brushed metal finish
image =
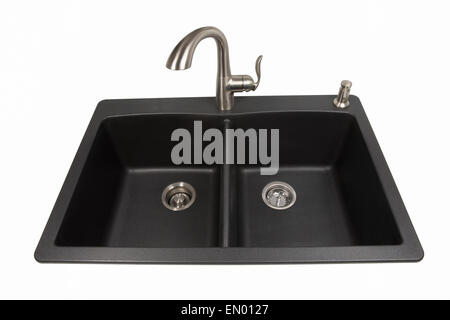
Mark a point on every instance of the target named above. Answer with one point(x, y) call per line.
point(279, 195)
point(342, 99)
point(178, 196)
point(227, 84)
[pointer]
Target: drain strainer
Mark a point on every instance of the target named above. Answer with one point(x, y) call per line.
point(178, 196)
point(279, 195)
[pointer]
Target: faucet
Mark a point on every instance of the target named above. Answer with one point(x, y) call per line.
point(227, 84)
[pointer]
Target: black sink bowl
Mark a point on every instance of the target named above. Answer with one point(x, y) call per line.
point(348, 208)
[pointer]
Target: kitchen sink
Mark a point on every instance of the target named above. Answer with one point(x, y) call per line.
point(112, 207)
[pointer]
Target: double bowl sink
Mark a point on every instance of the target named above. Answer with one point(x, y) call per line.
point(347, 207)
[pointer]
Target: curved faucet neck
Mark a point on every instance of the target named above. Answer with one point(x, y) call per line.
point(182, 54)
point(181, 58)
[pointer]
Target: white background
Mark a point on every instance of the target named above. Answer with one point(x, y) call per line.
point(59, 58)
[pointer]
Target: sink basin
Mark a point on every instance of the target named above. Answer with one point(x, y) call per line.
point(117, 200)
point(347, 207)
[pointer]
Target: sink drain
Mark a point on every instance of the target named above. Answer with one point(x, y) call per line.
point(279, 195)
point(178, 196)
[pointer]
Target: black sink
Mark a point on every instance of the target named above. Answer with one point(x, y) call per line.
point(348, 208)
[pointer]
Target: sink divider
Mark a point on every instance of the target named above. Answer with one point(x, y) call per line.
point(225, 194)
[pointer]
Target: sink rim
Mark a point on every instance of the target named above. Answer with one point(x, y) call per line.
point(409, 250)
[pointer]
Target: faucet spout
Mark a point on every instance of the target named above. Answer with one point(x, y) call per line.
point(181, 59)
point(182, 54)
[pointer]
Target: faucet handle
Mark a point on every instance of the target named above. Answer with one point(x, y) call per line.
point(239, 83)
point(258, 70)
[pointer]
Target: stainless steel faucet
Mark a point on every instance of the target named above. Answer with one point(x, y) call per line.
point(227, 84)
